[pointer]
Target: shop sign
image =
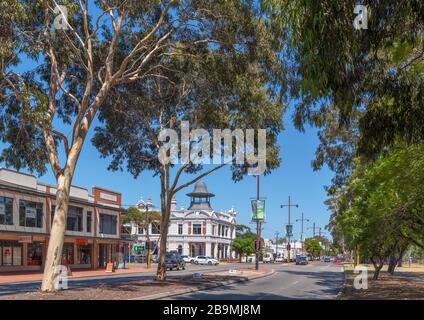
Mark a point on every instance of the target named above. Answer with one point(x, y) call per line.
point(30, 212)
point(25, 239)
point(2, 209)
point(81, 242)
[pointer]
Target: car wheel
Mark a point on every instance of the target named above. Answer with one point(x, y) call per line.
point(196, 262)
point(210, 263)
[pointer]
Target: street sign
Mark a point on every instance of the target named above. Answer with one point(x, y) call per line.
point(258, 210)
point(289, 230)
point(138, 248)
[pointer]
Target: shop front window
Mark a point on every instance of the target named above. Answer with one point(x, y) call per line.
point(30, 214)
point(84, 254)
point(68, 254)
point(35, 254)
point(6, 211)
point(11, 253)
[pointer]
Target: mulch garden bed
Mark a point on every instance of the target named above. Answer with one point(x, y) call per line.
point(387, 287)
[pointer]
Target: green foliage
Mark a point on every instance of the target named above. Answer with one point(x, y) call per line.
point(364, 88)
point(313, 247)
point(141, 218)
point(382, 207)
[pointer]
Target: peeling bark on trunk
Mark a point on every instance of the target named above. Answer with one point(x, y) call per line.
point(54, 252)
point(161, 271)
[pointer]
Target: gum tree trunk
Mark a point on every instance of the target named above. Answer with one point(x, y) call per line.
point(54, 252)
point(57, 234)
point(164, 224)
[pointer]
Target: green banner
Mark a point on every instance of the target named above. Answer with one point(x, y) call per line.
point(258, 210)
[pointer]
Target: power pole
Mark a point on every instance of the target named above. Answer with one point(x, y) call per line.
point(288, 236)
point(258, 227)
point(302, 240)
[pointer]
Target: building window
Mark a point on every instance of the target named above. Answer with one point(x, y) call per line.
point(84, 254)
point(213, 229)
point(6, 211)
point(180, 229)
point(74, 220)
point(180, 249)
point(155, 228)
point(140, 230)
point(35, 254)
point(197, 228)
point(30, 214)
point(107, 223)
point(11, 253)
point(226, 231)
point(89, 220)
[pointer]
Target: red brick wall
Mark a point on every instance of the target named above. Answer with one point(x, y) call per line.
point(96, 194)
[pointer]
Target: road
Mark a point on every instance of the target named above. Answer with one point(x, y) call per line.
point(18, 287)
point(314, 281)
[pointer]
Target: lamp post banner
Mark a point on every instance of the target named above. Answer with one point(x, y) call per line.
point(289, 230)
point(258, 210)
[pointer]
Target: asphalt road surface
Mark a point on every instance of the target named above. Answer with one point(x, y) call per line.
point(10, 288)
point(314, 281)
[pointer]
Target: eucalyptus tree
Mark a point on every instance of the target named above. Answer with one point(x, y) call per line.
point(233, 85)
point(73, 53)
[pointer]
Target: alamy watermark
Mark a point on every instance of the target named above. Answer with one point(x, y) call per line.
point(195, 146)
point(361, 280)
point(361, 19)
point(61, 277)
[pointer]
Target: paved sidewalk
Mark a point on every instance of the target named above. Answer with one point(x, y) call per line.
point(30, 277)
point(16, 277)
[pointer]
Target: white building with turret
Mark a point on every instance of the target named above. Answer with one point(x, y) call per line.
point(198, 230)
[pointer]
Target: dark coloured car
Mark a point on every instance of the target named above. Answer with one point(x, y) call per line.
point(301, 260)
point(174, 261)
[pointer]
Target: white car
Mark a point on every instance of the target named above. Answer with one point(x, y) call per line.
point(280, 258)
point(205, 260)
point(187, 259)
point(268, 258)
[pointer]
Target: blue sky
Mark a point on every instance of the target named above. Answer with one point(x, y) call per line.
point(295, 177)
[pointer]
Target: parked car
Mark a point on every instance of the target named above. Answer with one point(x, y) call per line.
point(174, 261)
point(280, 258)
point(301, 260)
point(154, 258)
point(188, 259)
point(327, 259)
point(205, 260)
point(267, 258)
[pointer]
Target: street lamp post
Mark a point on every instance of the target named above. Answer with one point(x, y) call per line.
point(288, 236)
point(302, 240)
point(258, 226)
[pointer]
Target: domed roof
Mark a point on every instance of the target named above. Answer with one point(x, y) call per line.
point(200, 190)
